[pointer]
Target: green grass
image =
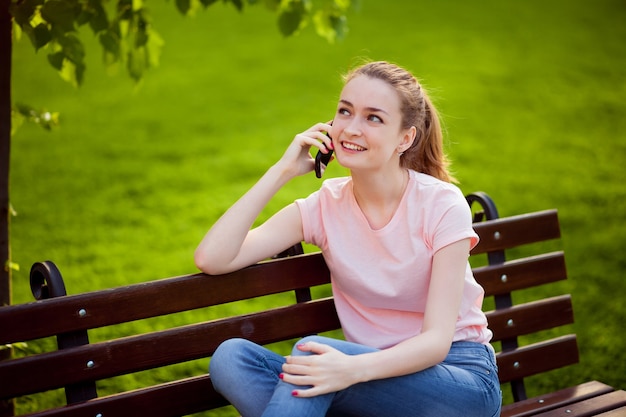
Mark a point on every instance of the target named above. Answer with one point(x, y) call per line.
point(532, 95)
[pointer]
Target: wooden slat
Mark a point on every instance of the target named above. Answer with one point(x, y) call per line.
point(618, 412)
point(531, 317)
point(537, 358)
point(521, 273)
point(555, 399)
point(172, 399)
point(136, 353)
point(590, 407)
point(513, 231)
point(138, 301)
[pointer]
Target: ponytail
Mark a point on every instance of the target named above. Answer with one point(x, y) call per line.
point(426, 154)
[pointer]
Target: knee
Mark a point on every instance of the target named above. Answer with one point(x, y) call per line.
point(226, 356)
point(318, 339)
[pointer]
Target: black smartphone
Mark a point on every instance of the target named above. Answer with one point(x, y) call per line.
point(322, 160)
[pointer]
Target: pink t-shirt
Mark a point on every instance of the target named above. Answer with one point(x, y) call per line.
point(380, 277)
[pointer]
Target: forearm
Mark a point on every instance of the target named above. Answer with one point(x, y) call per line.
point(412, 355)
point(222, 243)
point(329, 370)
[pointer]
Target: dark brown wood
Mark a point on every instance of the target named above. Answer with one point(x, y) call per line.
point(514, 231)
point(590, 407)
point(178, 398)
point(134, 302)
point(132, 354)
point(7, 408)
point(555, 399)
point(537, 358)
point(531, 317)
point(6, 45)
point(521, 273)
point(618, 412)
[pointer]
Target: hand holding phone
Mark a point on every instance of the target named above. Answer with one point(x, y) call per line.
point(321, 160)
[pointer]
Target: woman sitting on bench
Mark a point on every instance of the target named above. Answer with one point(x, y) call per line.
point(396, 236)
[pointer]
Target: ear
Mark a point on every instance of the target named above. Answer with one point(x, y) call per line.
point(407, 139)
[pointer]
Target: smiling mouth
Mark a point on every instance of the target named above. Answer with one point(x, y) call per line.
point(353, 147)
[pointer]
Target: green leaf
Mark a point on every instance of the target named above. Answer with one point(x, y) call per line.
point(99, 21)
point(238, 4)
point(60, 14)
point(153, 48)
point(43, 118)
point(125, 9)
point(24, 10)
point(56, 60)
point(330, 26)
point(343, 4)
point(93, 13)
point(136, 63)
point(291, 17)
point(72, 48)
point(41, 35)
point(72, 72)
point(83, 17)
point(12, 266)
point(183, 6)
point(207, 3)
point(69, 60)
point(16, 31)
point(137, 5)
point(340, 25)
point(80, 73)
point(141, 33)
point(272, 4)
point(17, 119)
point(111, 43)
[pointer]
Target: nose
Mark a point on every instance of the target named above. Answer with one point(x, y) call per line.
point(353, 128)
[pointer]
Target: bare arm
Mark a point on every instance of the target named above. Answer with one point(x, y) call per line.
point(230, 244)
point(330, 370)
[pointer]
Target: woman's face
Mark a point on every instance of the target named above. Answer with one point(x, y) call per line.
point(366, 129)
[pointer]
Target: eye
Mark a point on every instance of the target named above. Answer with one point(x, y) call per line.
point(374, 118)
point(343, 111)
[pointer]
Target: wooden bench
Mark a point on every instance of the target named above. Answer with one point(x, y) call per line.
point(77, 365)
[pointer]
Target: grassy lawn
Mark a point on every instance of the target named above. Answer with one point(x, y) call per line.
point(532, 96)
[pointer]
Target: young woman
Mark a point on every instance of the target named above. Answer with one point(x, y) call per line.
point(396, 236)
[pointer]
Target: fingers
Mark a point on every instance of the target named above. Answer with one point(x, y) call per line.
point(314, 347)
point(317, 136)
point(309, 372)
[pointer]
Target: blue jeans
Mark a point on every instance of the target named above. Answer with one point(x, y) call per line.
point(464, 384)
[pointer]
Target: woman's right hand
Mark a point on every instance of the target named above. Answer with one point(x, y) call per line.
point(297, 159)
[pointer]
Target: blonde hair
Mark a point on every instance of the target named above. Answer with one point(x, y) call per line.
point(426, 154)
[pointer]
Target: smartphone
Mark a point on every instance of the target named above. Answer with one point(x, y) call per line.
point(322, 160)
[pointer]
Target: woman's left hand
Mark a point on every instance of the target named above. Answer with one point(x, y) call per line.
point(326, 370)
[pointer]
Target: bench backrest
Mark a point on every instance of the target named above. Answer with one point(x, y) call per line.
point(78, 365)
point(501, 278)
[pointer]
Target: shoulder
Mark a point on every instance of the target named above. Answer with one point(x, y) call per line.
point(432, 189)
point(336, 186)
point(332, 191)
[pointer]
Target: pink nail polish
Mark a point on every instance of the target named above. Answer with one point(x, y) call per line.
point(294, 393)
point(281, 376)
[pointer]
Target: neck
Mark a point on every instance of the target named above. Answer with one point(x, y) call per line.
point(378, 195)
